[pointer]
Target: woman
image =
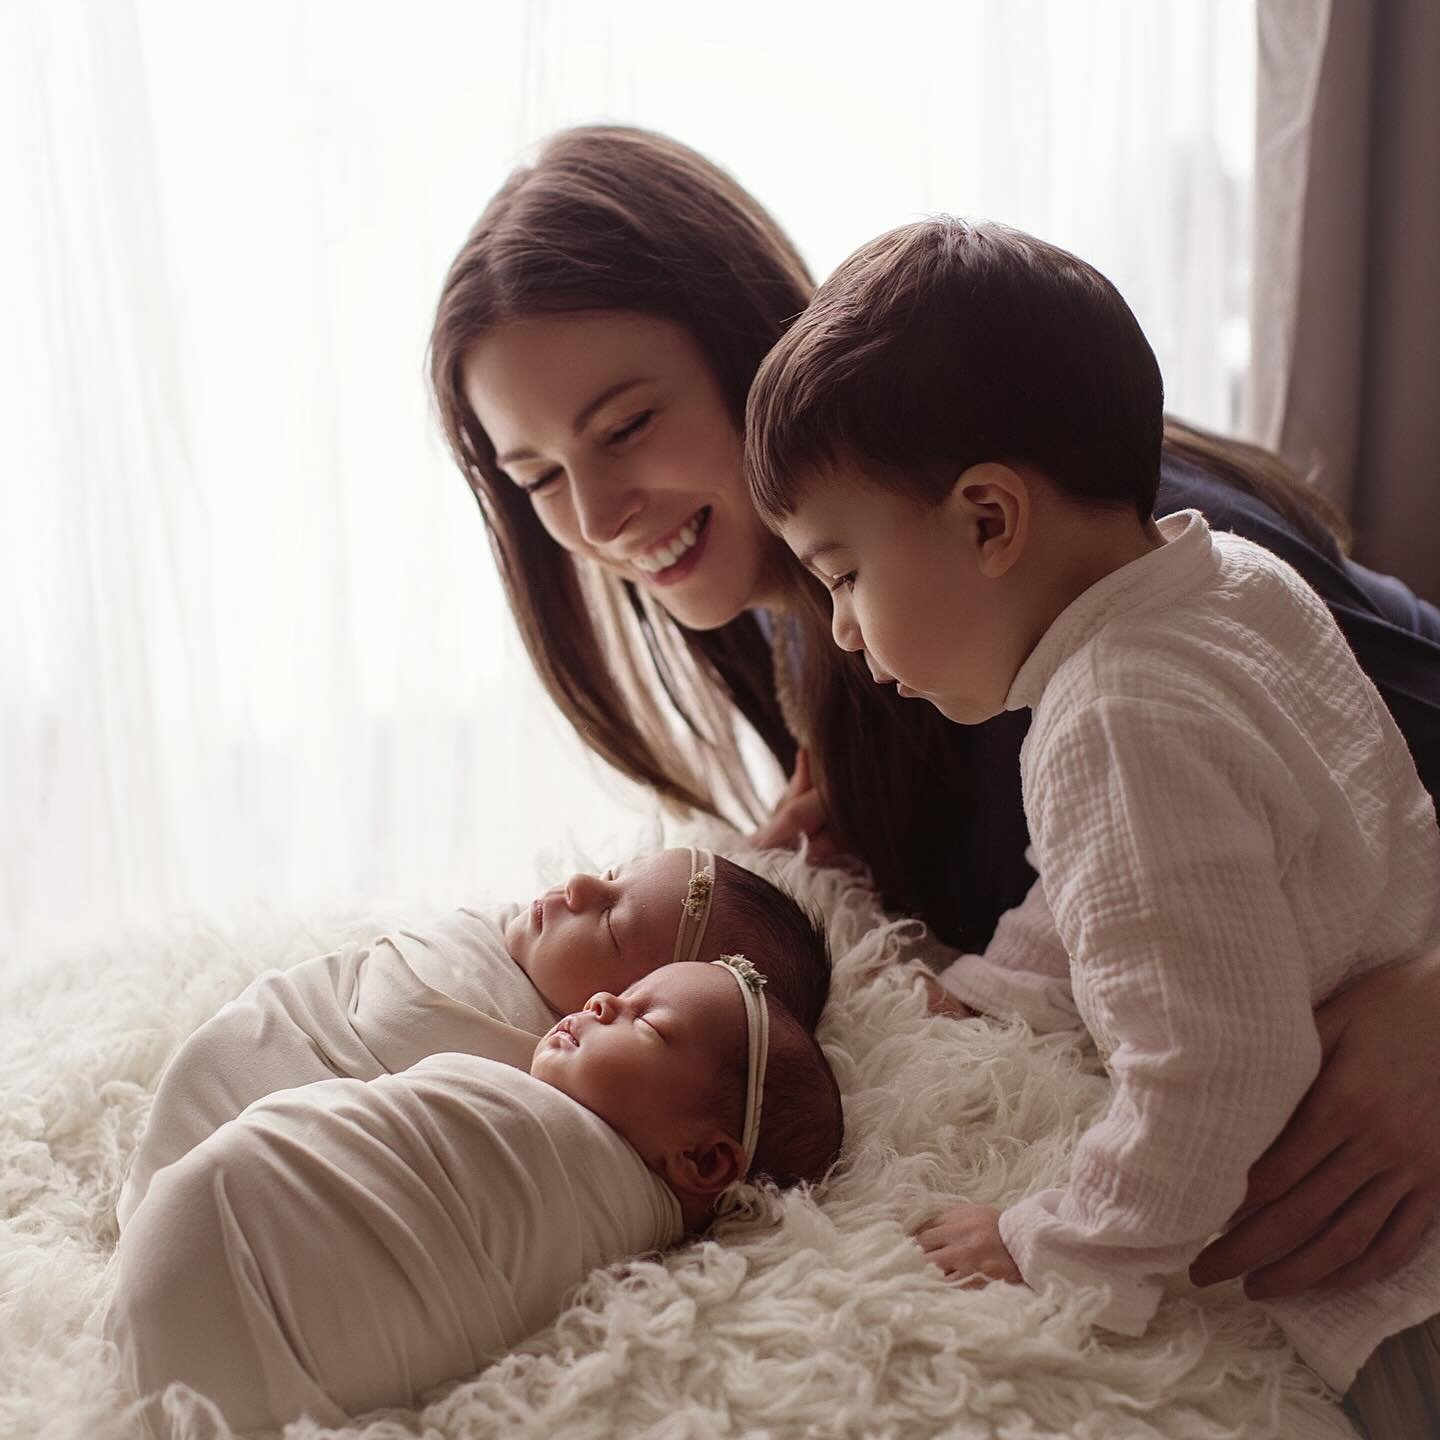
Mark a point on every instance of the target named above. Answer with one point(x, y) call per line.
point(592, 350)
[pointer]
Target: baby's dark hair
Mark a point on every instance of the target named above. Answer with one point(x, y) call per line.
point(784, 940)
point(948, 343)
point(802, 1123)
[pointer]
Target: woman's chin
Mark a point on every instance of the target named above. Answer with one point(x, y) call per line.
point(703, 614)
point(710, 598)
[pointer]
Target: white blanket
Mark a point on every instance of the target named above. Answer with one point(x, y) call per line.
point(821, 1318)
point(361, 1011)
point(350, 1243)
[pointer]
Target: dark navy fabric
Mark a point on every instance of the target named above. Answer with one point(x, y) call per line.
point(1395, 635)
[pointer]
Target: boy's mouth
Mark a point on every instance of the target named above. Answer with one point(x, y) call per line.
point(565, 1032)
point(537, 914)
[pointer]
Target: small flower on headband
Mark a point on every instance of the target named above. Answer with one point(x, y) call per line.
point(698, 895)
point(745, 969)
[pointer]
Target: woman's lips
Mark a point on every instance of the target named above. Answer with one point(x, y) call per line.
point(686, 563)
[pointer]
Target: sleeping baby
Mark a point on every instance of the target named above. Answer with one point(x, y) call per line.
point(480, 982)
point(354, 1241)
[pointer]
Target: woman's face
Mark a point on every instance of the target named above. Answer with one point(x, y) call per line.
point(615, 426)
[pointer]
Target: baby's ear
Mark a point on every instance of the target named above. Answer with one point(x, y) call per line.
point(706, 1167)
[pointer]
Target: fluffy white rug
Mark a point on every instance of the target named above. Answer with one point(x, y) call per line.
point(815, 1316)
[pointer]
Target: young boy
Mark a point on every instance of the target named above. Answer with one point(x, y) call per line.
point(961, 438)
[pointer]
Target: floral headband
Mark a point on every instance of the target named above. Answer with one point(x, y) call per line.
point(694, 918)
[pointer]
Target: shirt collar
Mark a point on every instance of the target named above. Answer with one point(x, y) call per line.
point(1187, 555)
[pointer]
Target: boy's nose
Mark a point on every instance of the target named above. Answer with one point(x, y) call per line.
point(844, 629)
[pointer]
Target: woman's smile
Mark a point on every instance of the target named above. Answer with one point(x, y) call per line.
point(678, 555)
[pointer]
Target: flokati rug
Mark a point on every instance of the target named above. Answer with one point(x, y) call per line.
point(814, 1316)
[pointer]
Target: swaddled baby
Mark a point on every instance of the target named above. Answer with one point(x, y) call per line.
point(349, 1243)
point(469, 984)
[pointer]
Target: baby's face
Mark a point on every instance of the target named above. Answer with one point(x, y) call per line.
point(648, 1060)
point(601, 932)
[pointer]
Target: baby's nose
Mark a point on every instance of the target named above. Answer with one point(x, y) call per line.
point(602, 1006)
point(582, 890)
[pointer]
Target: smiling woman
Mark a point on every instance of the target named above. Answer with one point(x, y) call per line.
point(614, 424)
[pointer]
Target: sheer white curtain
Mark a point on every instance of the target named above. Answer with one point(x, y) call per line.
point(252, 645)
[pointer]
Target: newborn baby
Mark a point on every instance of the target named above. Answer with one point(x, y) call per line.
point(478, 983)
point(350, 1243)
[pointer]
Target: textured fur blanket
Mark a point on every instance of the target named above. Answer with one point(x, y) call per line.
point(814, 1315)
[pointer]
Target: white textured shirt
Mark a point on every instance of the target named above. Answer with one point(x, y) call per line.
point(1228, 827)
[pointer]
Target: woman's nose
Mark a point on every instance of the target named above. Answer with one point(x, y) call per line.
point(604, 506)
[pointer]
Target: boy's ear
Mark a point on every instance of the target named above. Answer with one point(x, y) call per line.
point(706, 1167)
point(990, 505)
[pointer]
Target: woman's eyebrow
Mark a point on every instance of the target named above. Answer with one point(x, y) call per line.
point(581, 419)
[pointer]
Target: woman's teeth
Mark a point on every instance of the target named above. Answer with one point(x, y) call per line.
point(664, 556)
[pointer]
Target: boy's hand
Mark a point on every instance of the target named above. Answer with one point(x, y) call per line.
point(965, 1243)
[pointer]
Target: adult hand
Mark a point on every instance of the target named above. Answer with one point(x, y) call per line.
point(965, 1243)
point(1346, 1191)
point(939, 1001)
point(799, 814)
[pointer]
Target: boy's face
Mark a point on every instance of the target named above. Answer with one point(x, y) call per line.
point(907, 588)
point(647, 1060)
point(601, 932)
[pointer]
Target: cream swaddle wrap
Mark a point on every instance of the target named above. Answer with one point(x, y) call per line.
point(352, 1243)
point(361, 1011)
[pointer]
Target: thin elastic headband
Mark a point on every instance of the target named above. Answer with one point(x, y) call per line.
point(757, 1044)
point(695, 907)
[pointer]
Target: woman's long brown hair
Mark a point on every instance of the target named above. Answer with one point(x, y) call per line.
point(614, 218)
point(610, 217)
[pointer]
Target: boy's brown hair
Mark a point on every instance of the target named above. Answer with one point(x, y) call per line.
point(948, 343)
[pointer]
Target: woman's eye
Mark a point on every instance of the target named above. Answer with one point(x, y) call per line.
point(847, 580)
point(540, 482)
point(629, 428)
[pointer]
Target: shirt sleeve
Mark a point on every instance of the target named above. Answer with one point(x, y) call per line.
point(1024, 972)
point(1162, 840)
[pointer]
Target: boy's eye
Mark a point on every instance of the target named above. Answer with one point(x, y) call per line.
point(629, 428)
